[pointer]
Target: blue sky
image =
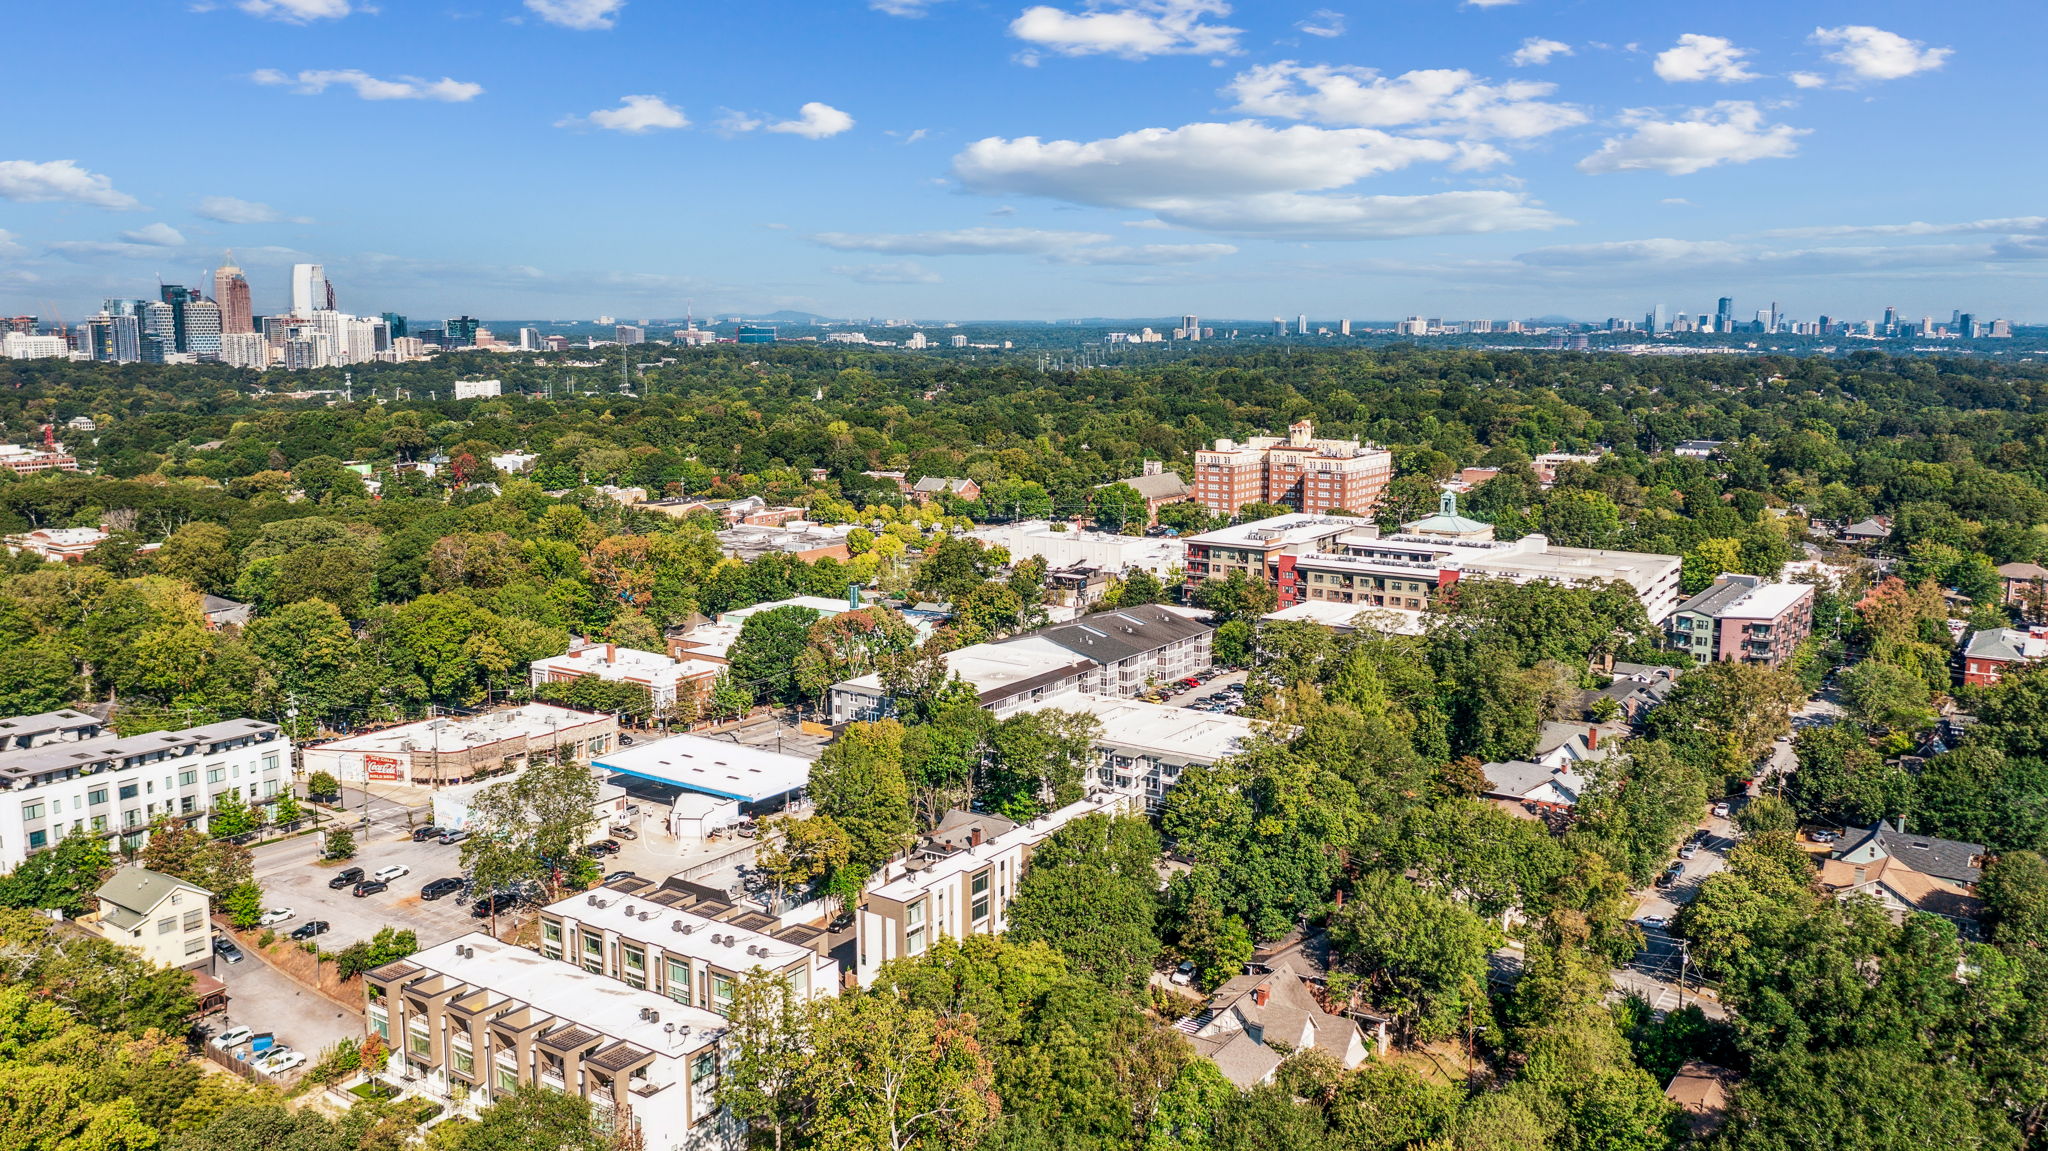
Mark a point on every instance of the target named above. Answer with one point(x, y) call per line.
point(974, 159)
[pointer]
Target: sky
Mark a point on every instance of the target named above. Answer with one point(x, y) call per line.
point(977, 159)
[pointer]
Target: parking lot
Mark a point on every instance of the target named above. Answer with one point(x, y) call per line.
point(290, 880)
point(262, 997)
point(1188, 696)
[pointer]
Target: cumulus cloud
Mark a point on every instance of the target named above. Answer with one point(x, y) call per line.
point(296, 11)
point(229, 210)
point(7, 244)
point(1353, 217)
point(815, 121)
point(1868, 53)
point(312, 83)
point(1537, 51)
point(1808, 80)
point(159, 235)
point(895, 272)
point(635, 115)
point(1144, 254)
point(47, 181)
point(1132, 29)
point(1660, 251)
point(1696, 57)
point(1324, 22)
point(2007, 225)
point(582, 15)
point(1436, 101)
point(1729, 132)
point(959, 242)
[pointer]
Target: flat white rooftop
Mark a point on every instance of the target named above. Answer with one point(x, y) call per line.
point(989, 666)
point(1766, 602)
point(678, 932)
point(712, 766)
point(1390, 620)
point(1173, 734)
point(455, 733)
point(1281, 531)
point(594, 1002)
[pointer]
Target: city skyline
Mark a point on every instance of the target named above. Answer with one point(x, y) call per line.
point(1129, 158)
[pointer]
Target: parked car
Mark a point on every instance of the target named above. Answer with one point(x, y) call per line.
point(282, 1064)
point(441, 887)
point(1824, 836)
point(1688, 851)
point(615, 876)
point(226, 949)
point(1720, 810)
point(232, 1038)
point(308, 930)
point(345, 877)
point(1671, 875)
point(453, 836)
point(371, 887)
point(1183, 975)
point(624, 832)
point(423, 834)
point(387, 874)
point(1653, 923)
point(273, 1056)
point(601, 848)
point(492, 904)
point(274, 916)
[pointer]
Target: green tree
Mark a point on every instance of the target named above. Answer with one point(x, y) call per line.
point(37, 676)
point(230, 816)
point(322, 784)
point(529, 827)
point(534, 1119)
point(1091, 892)
point(795, 853)
point(886, 1076)
point(62, 878)
point(1118, 508)
point(858, 783)
point(243, 904)
point(1036, 761)
point(1887, 697)
point(1706, 562)
point(764, 657)
point(1423, 957)
point(767, 1044)
point(1235, 597)
point(339, 843)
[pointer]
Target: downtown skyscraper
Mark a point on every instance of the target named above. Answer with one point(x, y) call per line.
point(231, 292)
point(311, 291)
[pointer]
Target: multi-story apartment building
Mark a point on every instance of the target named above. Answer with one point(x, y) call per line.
point(113, 785)
point(1987, 653)
point(677, 952)
point(1144, 747)
point(27, 461)
point(1743, 619)
point(161, 916)
point(474, 1019)
point(1299, 471)
point(1110, 653)
point(1307, 559)
point(668, 681)
point(959, 882)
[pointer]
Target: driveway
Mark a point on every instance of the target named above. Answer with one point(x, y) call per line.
point(263, 997)
point(1660, 972)
point(292, 877)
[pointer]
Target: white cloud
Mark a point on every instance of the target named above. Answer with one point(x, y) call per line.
point(1350, 217)
point(229, 210)
point(1144, 254)
point(1537, 51)
point(1325, 22)
point(1696, 57)
point(1730, 132)
point(1132, 29)
point(160, 235)
point(1658, 251)
point(959, 242)
point(815, 121)
point(7, 244)
point(582, 15)
point(1676, 201)
point(896, 272)
point(31, 181)
point(1875, 54)
point(1436, 101)
point(2006, 225)
point(1807, 80)
point(296, 11)
point(370, 87)
point(910, 8)
point(1490, 3)
point(635, 115)
point(85, 251)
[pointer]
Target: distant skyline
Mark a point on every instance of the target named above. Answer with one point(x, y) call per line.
point(964, 159)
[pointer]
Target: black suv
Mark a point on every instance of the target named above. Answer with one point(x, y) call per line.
point(423, 834)
point(440, 887)
point(492, 904)
point(345, 877)
point(309, 929)
point(371, 887)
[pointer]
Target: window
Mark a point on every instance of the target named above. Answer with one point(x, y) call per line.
point(593, 953)
point(418, 1041)
point(193, 919)
point(188, 777)
point(463, 1057)
point(721, 993)
point(97, 795)
point(185, 805)
point(32, 811)
point(913, 929)
point(508, 1078)
point(269, 787)
point(38, 839)
point(167, 925)
point(979, 891)
point(703, 1083)
point(195, 945)
point(679, 981)
point(380, 1022)
point(216, 774)
point(635, 966)
point(270, 761)
point(551, 939)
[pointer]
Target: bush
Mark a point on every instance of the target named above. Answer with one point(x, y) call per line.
point(343, 1059)
point(340, 844)
point(267, 938)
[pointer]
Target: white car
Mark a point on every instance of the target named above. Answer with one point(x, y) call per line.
point(1653, 922)
point(274, 1055)
point(387, 874)
point(291, 1060)
point(233, 1037)
point(275, 915)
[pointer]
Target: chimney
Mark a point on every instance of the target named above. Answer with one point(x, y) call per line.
point(1859, 873)
point(611, 653)
point(1261, 993)
point(974, 836)
point(1592, 739)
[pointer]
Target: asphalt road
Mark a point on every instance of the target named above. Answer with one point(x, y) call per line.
point(262, 997)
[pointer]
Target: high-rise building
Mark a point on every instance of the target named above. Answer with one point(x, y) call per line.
point(1279, 327)
point(1659, 320)
point(1724, 314)
point(1344, 327)
point(1300, 471)
point(310, 290)
point(1771, 325)
point(1192, 325)
point(1301, 325)
point(1966, 325)
point(1891, 321)
point(244, 350)
point(529, 339)
point(461, 331)
point(231, 292)
point(159, 331)
point(396, 323)
point(622, 333)
point(202, 329)
point(112, 338)
point(756, 334)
